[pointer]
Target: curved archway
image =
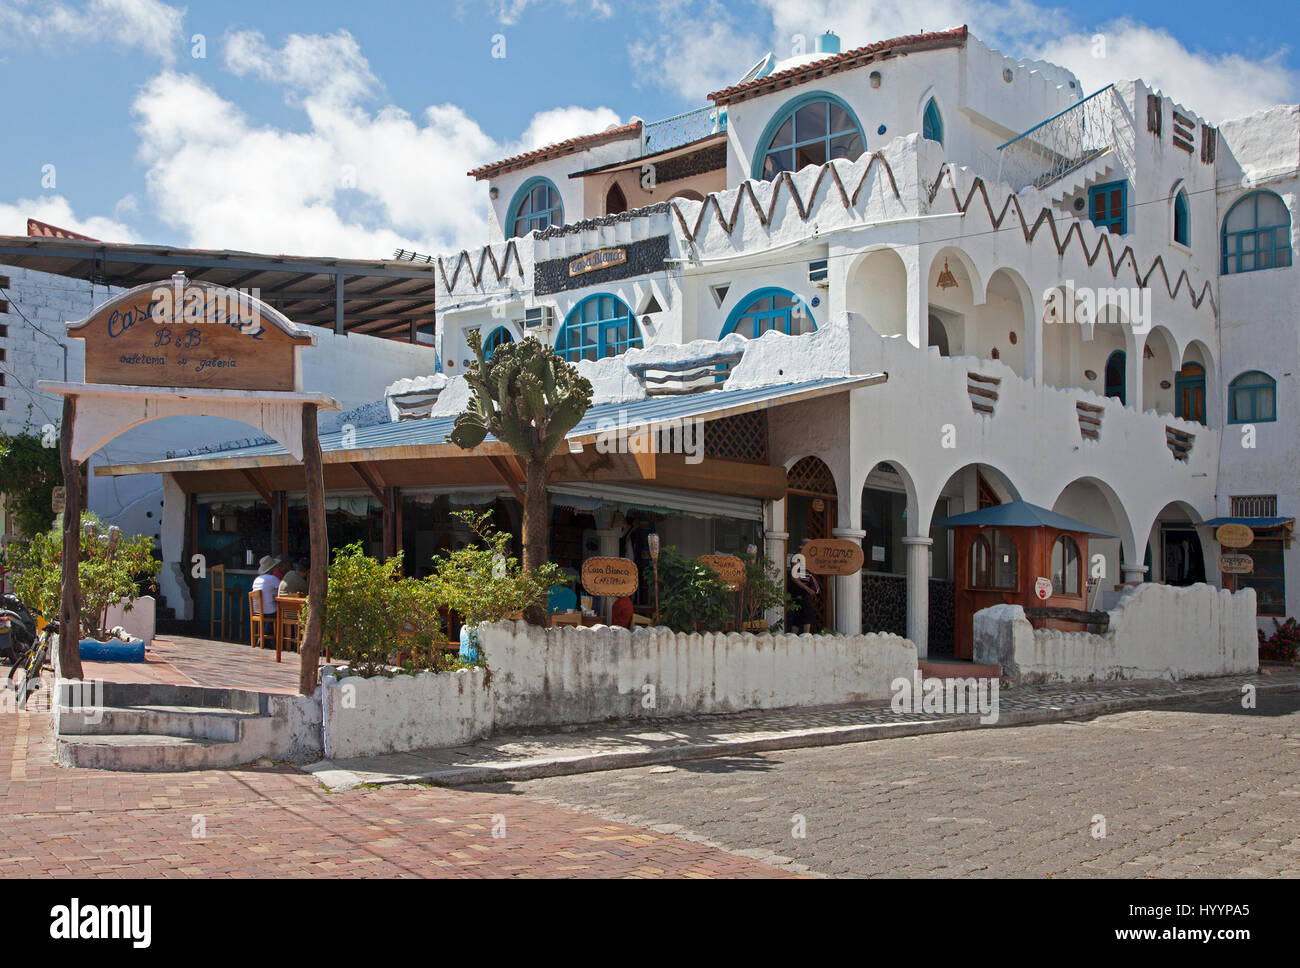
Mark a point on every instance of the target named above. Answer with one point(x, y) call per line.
point(1004, 324)
point(1196, 352)
point(877, 291)
point(888, 497)
point(615, 200)
point(1175, 551)
point(1094, 502)
point(1159, 351)
point(812, 509)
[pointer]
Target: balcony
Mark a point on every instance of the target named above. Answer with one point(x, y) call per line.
point(683, 129)
point(1063, 143)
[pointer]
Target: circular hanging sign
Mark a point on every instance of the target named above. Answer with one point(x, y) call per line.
point(832, 556)
point(729, 568)
point(1043, 588)
point(1234, 536)
point(611, 577)
point(1236, 564)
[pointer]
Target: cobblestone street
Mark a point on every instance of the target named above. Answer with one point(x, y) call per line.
point(1200, 789)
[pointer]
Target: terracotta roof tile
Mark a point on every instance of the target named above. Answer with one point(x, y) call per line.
point(836, 63)
point(631, 129)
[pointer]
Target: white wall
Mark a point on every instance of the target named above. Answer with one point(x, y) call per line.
point(1155, 632)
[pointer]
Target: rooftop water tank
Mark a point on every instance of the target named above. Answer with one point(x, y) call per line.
point(828, 43)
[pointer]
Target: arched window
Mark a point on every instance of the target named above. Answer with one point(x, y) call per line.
point(811, 130)
point(932, 123)
point(938, 335)
point(1189, 393)
point(498, 337)
point(1252, 398)
point(597, 327)
point(536, 205)
point(771, 308)
point(993, 561)
point(615, 201)
point(1116, 383)
point(1256, 234)
point(1065, 566)
point(1182, 219)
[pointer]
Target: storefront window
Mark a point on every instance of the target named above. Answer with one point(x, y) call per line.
point(1065, 566)
point(993, 561)
point(1269, 575)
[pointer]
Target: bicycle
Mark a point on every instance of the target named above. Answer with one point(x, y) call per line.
point(32, 661)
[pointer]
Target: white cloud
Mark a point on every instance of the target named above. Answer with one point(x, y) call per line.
point(698, 47)
point(509, 12)
point(331, 67)
point(561, 124)
point(57, 210)
point(148, 25)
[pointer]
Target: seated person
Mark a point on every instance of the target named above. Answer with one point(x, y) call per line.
point(295, 583)
point(267, 582)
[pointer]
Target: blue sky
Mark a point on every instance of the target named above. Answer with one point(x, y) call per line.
point(345, 128)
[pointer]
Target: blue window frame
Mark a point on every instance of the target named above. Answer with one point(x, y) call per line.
point(599, 326)
point(1116, 383)
point(498, 337)
point(1252, 398)
point(1182, 219)
point(537, 205)
point(768, 309)
point(810, 130)
point(1109, 206)
point(932, 123)
point(1256, 234)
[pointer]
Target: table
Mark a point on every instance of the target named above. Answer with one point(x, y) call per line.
point(293, 605)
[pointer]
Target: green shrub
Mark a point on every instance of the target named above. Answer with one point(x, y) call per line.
point(29, 473)
point(691, 593)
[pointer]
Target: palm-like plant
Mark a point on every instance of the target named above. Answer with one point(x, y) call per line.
point(529, 398)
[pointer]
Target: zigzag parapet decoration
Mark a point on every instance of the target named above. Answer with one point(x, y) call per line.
point(1030, 232)
point(485, 254)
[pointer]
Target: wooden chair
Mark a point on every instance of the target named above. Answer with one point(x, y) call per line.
point(564, 618)
point(235, 613)
point(217, 607)
point(289, 624)
point(259, 626)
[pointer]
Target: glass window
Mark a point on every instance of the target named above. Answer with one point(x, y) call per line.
point(1252, 398)
point(932, 124)
point(537, 206)
point(1256, 234)
point(811, 132)
point(768, 309)
point(1116, 380)
point(1269, 575)
point(1065, 566)
point(1109, 204)
point(498, 337)
point(599, 326)
point(994, 562)
point(1182, 219)
point(1189, 395)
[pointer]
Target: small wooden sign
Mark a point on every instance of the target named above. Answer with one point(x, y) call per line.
point(58, 499)
point(1236, 564)
point(611, 577)
point(1234, 535)
point(179, 333)
point(729, 568)
point(1043, 588)
point(601, 259)
point(832, 556)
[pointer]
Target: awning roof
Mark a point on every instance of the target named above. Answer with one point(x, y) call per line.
point(391, 298)
point(1021, 514)
point(415, 439)
point(1258, 524)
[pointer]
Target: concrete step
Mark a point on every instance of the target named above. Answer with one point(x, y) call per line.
point(154, 754)
point(195, 722)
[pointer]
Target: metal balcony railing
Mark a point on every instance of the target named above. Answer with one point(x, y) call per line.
point(1052, 149)
point(682, 129)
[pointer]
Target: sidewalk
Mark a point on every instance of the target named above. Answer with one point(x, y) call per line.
point(631, 744)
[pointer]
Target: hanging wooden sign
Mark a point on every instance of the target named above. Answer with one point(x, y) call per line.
point(601, 259)
point(1235, 535)
point(729, 568)
point(832, 556)
point(1236, 564)
point(187, 334)
point(611, 577)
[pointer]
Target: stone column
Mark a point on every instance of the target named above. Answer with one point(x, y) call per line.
point(918, 591)
point(171, 577)
point(848, 590)
point(1134, 574)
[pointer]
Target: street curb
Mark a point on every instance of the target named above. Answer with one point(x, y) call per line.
point(338, 780)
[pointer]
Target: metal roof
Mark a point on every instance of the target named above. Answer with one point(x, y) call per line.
point(1254, 523)
point(1020, 514)
point(379, 297)
point(434, 431)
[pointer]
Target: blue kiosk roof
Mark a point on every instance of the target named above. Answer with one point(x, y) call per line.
point(1020, 514)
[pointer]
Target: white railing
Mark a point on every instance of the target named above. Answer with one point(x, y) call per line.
point(1064, 142)
point(682, 129)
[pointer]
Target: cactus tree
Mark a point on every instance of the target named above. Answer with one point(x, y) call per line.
point(529, 398)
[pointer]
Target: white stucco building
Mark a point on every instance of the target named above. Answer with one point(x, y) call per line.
point(1061, 286)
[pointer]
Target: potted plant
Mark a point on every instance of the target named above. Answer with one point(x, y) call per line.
point(763, 590)
point(692, 598)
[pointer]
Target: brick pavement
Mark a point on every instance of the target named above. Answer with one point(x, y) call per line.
point(1203, 788)
point(278, 822)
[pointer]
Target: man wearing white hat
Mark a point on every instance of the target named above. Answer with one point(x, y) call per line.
point(269, 574)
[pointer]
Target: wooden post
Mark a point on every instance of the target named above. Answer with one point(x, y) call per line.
point(70, 598)
point(390, 522)
point(277, 523)
point(320, 552)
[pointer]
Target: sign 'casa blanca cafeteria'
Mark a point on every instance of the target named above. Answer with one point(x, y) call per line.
point(191, 334)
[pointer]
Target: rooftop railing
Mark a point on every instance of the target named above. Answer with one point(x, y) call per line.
point(682, 129)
